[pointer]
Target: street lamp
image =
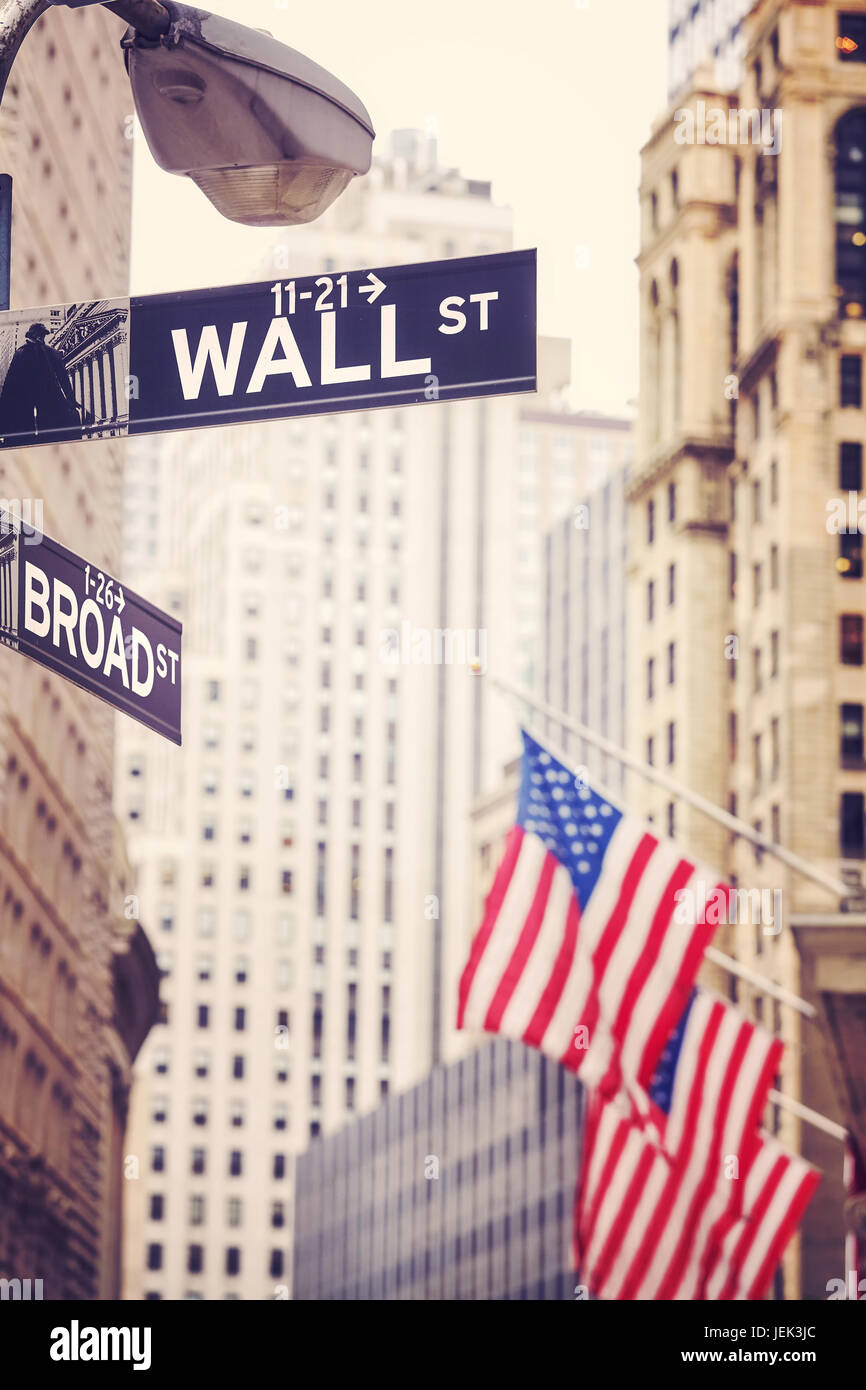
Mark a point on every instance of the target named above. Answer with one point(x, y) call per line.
point(268, 136)
point(271, 138)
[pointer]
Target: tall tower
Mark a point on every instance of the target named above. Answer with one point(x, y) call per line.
point(308, 854)
point(77, 979)
point(751, 434)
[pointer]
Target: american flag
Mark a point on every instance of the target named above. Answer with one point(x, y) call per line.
point(578, 953)
point(687, 1199)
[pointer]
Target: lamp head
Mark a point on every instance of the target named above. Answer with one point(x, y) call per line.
point(271, 138)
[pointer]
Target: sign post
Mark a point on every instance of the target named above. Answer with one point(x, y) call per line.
point(83, 624)
point(356, 340)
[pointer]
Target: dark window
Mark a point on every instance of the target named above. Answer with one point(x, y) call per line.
point(851, 639)
point(672, 585)
point(238, 1068)
point(195, 1259)
point(157, 1207)
point(275, 1268)
point(672, 502)
point(279, 1165)
point(850, 562)
point(650, 678)
point(650, 522)
point(154, 1257)
point(240, 1020)
point(199, 1160)
point(233, 1260)
point(852, 825)
point(671, 663)
point(851, 467)
point(671, 742)
point(157, 1159)
point(851, 736)
point(650, 601)
point(851, 373)
point(851, 42)
point(236, 1163)
point(203, 1015)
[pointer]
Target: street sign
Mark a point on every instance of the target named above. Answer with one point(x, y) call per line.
point(83, 624)
point(351, 340)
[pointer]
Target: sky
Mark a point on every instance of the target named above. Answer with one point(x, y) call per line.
point(550, 101)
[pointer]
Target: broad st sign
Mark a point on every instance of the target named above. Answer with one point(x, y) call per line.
point(353, 340)
point(83, 624)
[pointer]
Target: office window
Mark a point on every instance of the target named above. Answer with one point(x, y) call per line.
point(203, 1016)
point(238, 1067)
point(732, 736)
point(672, 585)
point(278, 1216)
point(851, 736)
point(650, 600)
point(241, 969)
point(279, 1165)
point(757, 679)
point(154, 1257)
point(650, 751)
point(851, 467)
point(671, 820)
point(732, 574)
point(775, 749)
point(275, 1269)
point(321, 877)
point(233, 1260)
point(757, 584)
point(774, 653)
point(196, 1210)
point(200, 1111)
point(281, 1115)
point(157, 1206)
point(672, 502)
point(236, 1114)
point(650, 678)
point(388, 895)
point(650, 522)
point(756, 759)
point(774, 567)
point(240, 1020)
point(157, 1159)
point(851, 639)
point(852, 825)
point(756, 501)
point(236, 1163)
point(851, 380)
point(671, 663)
point(198, 1162)
point(201, 1062)
point(350, 1093)
point(195, 1259)
point(234, 1211)
point(850, 562)
point(671, 742)
point(774, 482)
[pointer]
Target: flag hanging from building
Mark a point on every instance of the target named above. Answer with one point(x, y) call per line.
point(578, 953)
point(685, 1198)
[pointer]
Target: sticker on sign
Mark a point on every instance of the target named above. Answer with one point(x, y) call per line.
point(82, 623)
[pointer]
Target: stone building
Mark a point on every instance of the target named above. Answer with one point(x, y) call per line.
point(746, 608)
point(78, 983)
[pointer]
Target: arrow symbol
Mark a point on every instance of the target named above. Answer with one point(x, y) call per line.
point(374, 289)
point(121, 601)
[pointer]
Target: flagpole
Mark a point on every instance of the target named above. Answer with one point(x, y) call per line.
point(653, 774)
point(734, 967)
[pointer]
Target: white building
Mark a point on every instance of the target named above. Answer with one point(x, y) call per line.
point(710, 34)
point(308, 852)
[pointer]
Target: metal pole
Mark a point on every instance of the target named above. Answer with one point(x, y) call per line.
point(661, 779)
point(148, 17)
point(5, 239)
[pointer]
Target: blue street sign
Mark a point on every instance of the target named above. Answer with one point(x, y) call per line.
point(354, 340)
point(83, 624)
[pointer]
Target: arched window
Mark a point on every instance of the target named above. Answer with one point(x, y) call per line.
point(850, 212)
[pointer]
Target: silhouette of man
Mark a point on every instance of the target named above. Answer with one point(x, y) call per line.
point(38, 398)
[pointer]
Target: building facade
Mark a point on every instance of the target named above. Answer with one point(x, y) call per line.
point(344, 584)
point(751, 427)
point(460, 1188)
point(78, 985)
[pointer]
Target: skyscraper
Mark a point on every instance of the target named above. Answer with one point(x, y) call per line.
point(77, 978)
point(344, 584)
point(751, 429)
